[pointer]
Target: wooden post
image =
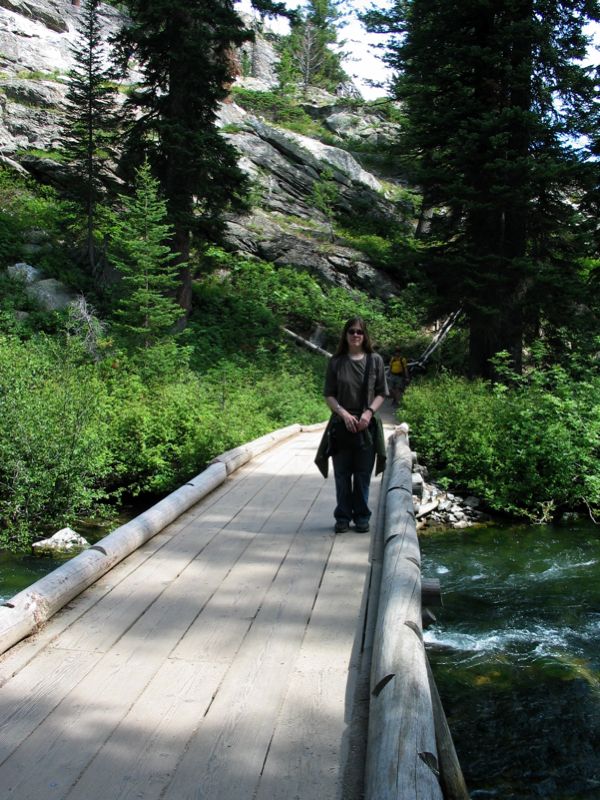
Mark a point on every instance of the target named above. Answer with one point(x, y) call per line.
point(76, 3)
point(431, 592)
point(451, 775)
point(402, 759)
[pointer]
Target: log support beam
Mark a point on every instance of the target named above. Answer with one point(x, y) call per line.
point(408, 752)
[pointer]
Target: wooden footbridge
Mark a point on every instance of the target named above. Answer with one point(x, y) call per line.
point(234, 654)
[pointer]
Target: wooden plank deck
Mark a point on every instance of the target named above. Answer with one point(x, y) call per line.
point(221, 661)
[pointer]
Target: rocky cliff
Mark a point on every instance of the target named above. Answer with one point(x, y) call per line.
point(284, 226)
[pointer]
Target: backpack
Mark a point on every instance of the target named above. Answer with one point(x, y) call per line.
point(397, 365)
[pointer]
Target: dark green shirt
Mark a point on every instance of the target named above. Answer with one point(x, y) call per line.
point(344, 381)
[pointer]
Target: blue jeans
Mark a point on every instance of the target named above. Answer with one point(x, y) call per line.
point(352, 469)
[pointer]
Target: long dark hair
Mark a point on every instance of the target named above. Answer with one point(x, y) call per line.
point(342, 348)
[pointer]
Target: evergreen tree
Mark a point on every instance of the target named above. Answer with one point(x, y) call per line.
point(495, 97)
point(146, 311)
point(307, 53)
point(89, 124)
point(183, 50)
point(268, 8)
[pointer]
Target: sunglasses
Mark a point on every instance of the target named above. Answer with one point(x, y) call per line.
point(355, 332)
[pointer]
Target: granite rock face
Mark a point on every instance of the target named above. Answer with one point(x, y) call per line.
point(285, 226)
point(36, 37)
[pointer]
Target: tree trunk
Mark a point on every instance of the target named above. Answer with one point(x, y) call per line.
point(498, 222)
point(181, 245)
point(178, 191)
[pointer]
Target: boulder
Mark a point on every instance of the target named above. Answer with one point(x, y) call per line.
point(276, 240)
point(349, 90)
point(46, 170)
point(64, 541)
point(23, 272)
point(461, 524)
point(50, 294)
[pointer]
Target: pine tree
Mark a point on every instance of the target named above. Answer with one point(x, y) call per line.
point(146, 311)
point(89, 124)
point(268, 8)
point(495, 96)
point(183, 51)
point(309, 48)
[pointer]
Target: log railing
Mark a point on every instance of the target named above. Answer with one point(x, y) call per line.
point(27, 610)
point(410, 753)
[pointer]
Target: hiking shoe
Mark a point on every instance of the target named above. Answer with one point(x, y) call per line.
point(362, 527)
point(341, 526)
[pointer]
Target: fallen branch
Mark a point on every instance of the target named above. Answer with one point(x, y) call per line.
point(427, 508)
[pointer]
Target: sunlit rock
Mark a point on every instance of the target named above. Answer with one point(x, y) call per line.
point(63, 541)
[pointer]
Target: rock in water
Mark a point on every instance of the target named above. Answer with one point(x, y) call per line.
point(64, 541)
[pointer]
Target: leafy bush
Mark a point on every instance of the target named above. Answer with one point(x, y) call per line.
point(54, 445)
point(257, 298)
point(76, 435)
point(26, 206)
point(165, 432)
point(529, 450)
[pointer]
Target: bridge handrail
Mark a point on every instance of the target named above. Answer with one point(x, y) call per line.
point(408, 752)
point(27, 610)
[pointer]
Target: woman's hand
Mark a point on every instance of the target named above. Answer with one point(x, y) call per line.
point(365, 420)
point(351, 423)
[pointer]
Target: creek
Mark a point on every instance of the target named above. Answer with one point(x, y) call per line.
point(516, 656)
point(20, 570)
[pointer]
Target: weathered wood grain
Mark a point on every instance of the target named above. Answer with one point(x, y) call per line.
point(30, 608)
point(451, 775)
point(402, 760)
point(226, 756)
point(311, 741)
point(218, 660)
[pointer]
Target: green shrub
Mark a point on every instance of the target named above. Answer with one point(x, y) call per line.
point(54, 445)
point(78, 435)
point(26, 205)
point(257, 298)
point(38, 75)
point(282, 110)
point(166, 433)
point(529, 450)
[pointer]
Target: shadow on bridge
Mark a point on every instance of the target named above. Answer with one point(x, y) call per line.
point(223, 659)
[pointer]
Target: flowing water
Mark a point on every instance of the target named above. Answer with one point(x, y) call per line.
point(516, 656)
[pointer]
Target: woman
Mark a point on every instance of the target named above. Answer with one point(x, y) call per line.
point(355, 388)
